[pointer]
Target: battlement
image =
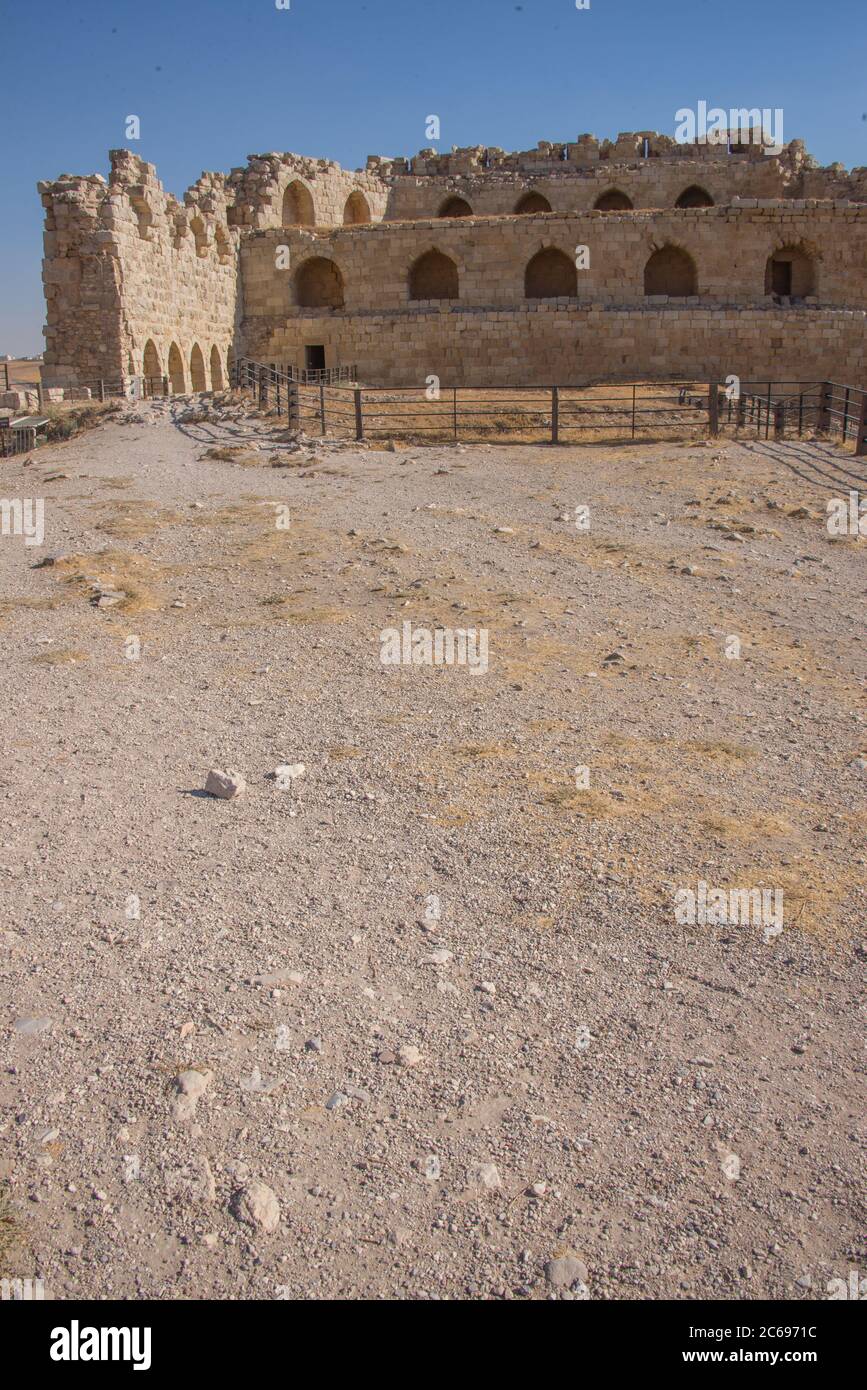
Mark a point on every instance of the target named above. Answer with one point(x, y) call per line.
point(585, 152)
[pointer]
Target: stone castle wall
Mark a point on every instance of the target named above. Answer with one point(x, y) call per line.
point(550, 344)
point(137, 282)
point(492, 333)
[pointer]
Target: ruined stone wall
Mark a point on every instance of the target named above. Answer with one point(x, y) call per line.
point(139, 283)
point(126, 265)
point(650, 169)
point(550, 344)
point(258, 190)
point(649, 184)
point(81, 283)
point(491, 327)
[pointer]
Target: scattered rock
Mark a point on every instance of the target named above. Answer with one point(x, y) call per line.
point(488, 1176)
point(225, 785)
point(256, 1205)
point(566, 1270)
point(191, 1087)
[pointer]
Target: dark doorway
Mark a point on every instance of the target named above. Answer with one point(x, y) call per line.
point(315, 358)
point(781, 277)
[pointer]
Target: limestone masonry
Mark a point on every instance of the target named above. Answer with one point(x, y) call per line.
point(562, 265)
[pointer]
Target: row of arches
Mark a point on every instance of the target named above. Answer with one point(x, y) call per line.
point(612, 200)
point(298, 209)
point(551, 274)
point(212, 375)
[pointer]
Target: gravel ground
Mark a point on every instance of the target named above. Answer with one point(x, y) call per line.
point(422, 1022)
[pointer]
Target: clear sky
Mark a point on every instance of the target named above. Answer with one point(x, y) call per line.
point(215, 80)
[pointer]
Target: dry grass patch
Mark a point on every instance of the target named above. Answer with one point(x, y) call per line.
point(60, 656)
point(134, 575)
point(11, 1233)
point(135, 519)
point(234, 453)
point(766, 827)
point(481, 751)
point(719, 751)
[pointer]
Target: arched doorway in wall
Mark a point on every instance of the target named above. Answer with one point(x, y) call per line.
point(790, 273)
point(197, 369)
point(551, 274)
point(694, 197)
point(671, 271)
point(613, 201)
point(356, 210)
point(434, 276)
point(298, 210)
point(319, 284)
point(176, 370)
point(455, 207)
point(151, 368)
point(532, 202)
point(216, 369)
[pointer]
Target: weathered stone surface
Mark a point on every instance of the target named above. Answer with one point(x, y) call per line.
point(139, 283)
point(228, 786)
point(256, 1205)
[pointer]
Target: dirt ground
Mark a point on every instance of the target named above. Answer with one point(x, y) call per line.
point(451, 1039)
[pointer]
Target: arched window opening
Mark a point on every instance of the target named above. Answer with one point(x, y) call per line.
point(671, 271)
point(455, 207)
point(613, 201)
point(176, 370)
point(197, 369)
point(298, 206)
point(532, 202)
point(434, 276)
point(151, 365)
point(694, 197)
point(551, 274)
point(357, 211)
point(319, 284)
point(216, 369)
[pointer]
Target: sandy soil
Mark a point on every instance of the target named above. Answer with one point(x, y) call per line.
point(434, 996)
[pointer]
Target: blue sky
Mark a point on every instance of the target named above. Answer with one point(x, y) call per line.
point(215, 80)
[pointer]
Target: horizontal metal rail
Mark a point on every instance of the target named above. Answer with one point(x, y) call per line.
point(551, 413)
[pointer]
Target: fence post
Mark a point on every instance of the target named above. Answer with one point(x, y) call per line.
point(455, 411)
point(322, 404)
point(555, 414)
point(38, 391)
point(713, 406)
point(861, 428)
point(823, 417)
point(101, 389)
point(359, 416)
point(742, 411)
